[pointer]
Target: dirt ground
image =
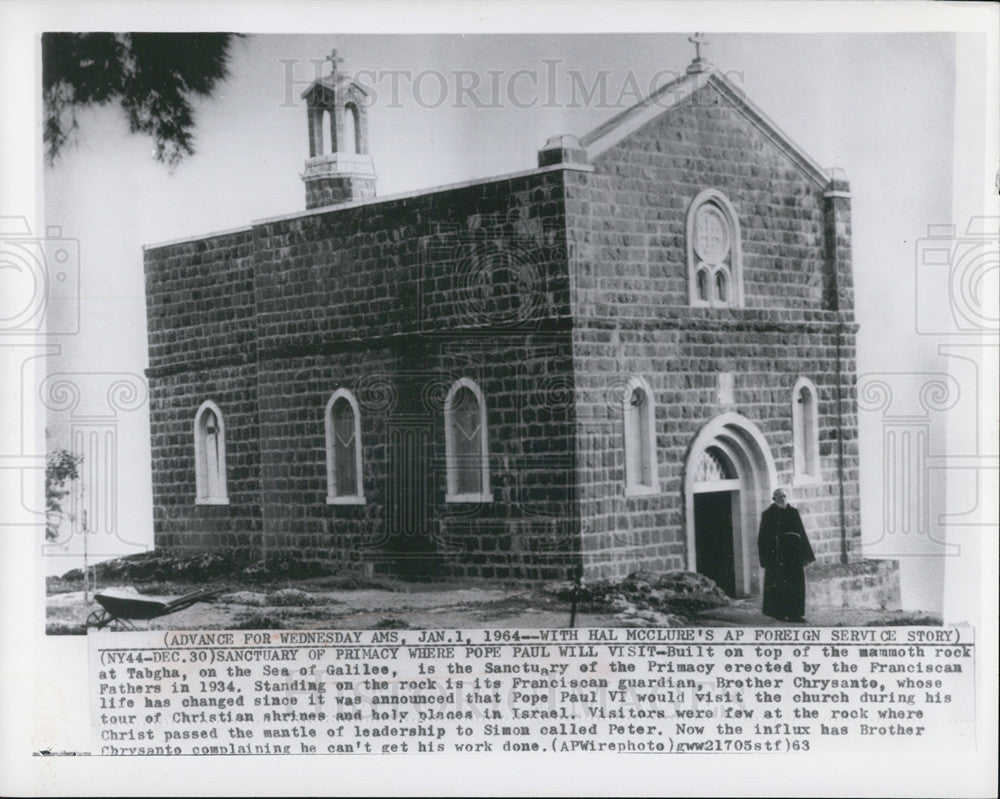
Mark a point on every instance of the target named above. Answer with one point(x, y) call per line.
point(401, 605)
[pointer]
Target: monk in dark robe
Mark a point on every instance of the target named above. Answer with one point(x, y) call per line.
point(784, 551)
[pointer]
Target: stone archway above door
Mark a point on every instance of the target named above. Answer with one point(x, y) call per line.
point(730, 454)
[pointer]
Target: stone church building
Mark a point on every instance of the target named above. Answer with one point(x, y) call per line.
point(607, 361)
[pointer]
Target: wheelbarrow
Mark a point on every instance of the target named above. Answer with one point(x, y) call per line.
point(122, 607)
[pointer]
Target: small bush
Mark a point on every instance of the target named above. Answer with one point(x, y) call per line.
point(669, 593)
point(205, 567)
point(908, 619)
point(290, 597)
point(65, 628)
point(257, 621)
point(391, 623)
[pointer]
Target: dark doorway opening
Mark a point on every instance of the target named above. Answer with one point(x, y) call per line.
point(408, 500)
point(713, 538)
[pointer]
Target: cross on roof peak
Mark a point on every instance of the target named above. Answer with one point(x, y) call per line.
point(697, 40)
point(700, 63)
point(335, 59)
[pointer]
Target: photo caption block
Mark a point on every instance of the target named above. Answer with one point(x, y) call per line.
point(645, 690)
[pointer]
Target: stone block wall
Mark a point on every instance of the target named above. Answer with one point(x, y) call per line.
point(682, 366)
point(488, 258)
point(868, 584)
point(550, 290)
point(202, 346)
point(400, 390)
point(321, 192)
point(179, 524)
point(628, 219)
point(200, 303)
point(627, 240)
point(393, 301)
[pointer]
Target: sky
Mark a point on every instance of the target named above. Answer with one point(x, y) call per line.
point(450, 108)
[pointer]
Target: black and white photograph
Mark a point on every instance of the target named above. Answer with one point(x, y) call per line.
point(429, 383)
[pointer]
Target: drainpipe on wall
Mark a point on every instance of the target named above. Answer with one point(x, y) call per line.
point(837, 216)
point(840, 449)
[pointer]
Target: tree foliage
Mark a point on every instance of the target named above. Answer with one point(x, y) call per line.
point(62, 467)
point(155, 77)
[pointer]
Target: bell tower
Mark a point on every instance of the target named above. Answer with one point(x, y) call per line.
point(339, 168)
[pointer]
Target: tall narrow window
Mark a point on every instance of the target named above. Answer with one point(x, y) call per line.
point(721, 286)
point(343, 450)
point(210, 456)
point(702, 285)
point(352, 119)
point(327, 131)
point(805, 431)
point(466, 444)
point(714, 254)
point(639, 416)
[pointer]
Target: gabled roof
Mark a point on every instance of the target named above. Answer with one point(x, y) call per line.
point(331, 83)
point(673, 94)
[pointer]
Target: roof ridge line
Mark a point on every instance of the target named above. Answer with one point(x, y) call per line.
point(607, 126)
point(770, 128)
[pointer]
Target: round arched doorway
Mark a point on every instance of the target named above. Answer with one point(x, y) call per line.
point(728, 477)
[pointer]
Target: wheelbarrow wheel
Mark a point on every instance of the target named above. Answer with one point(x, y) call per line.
point(101, 619)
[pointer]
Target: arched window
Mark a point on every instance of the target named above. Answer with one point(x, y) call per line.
point(721, 286)
point(466, 444)
point(702, 290)
point(639, 416)
point(210, 456)
point(714, 254)
point(352, 120)
point(343, 450)
point(316, 121)
point(805, 431)
point(328, 132)
point(713, 468)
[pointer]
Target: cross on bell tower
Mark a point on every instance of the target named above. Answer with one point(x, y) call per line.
point(336, 60)
point(699, 64)
point(339, 168)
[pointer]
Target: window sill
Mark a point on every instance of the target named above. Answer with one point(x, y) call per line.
point(478, 498)
point(352, 500)
point(641, 490)
point(211, 501)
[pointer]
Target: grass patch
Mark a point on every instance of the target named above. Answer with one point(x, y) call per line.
point(253, 620)
point(391, 623)
point(676, 592)
point(905, 618)
point(65, 628)
point(177, 574)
